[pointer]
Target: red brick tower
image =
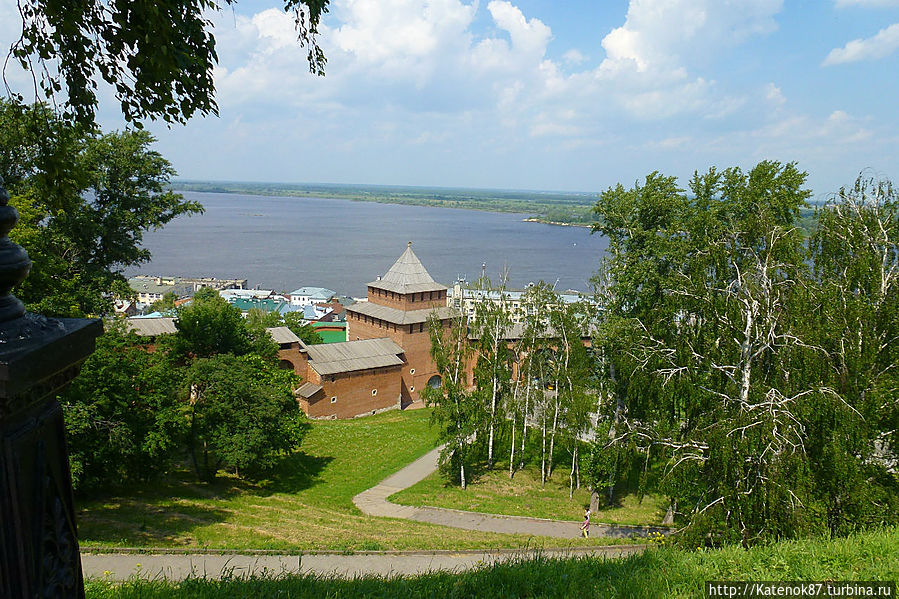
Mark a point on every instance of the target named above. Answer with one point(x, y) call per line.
point(398, 307)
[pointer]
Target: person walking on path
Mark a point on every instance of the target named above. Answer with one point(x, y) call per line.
point(585, 527)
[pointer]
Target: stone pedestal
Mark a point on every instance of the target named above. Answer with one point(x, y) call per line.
point(39, 554)
point(38, 357)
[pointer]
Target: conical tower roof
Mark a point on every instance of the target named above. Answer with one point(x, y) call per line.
point(407, 275)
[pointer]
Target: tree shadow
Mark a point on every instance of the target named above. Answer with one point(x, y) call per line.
point(294, 473)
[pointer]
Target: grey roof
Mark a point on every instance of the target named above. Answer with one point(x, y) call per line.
point(400, 317)
point(333, 358)
point(282, 335)
point(314, 292)
point(145, 285)
point(151, 327)
point(307, 390)
point(407, 275)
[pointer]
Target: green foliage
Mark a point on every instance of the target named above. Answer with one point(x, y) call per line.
point(259, 320)
point(304, 330)
point(456, 412)
point(209, 325)
point(242, 414)
point(157, 57)
point(724, 351)
point(167, 303)
point(124, 422)
point(85, 200)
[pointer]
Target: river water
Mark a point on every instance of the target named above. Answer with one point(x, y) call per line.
point(283, 243)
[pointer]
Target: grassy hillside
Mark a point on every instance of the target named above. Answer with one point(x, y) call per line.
point(662, 572)
point(306, 505)
point(492, 492)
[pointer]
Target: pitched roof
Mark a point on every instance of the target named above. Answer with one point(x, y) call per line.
point(282, 335)
point(307, 390)
point(334, 358)
point(316, 292)
point(400, 317)
point(407, 275)
point(151, 327)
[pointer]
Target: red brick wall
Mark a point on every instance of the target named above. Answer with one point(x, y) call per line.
point(353, 391)
point(417, 351)
point(411, 301)
point(296, 358)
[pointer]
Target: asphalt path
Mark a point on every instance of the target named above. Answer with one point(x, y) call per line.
point(178, 565)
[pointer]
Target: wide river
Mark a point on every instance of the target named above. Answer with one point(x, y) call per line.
point(284, 243)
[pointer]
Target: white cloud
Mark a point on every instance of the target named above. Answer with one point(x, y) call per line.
point(881, 45)
point(866, 3)
point(574, 57)
point(661, 35)
point(774, 95)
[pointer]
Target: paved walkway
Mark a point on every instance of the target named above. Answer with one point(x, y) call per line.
point(177, 566)
point(180, 566)
point(374, 503)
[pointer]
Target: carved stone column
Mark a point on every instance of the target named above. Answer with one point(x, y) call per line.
point(39, 356)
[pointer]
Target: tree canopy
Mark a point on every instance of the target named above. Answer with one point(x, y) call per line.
point(158, 58)
point(85, 200)
point(749, 364)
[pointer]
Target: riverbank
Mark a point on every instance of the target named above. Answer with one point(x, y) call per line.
point(554, 208)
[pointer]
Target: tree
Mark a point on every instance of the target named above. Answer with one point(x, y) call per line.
point(455, 410)
point(124, 421)
point(85, 201)
point(854, 441)
point(493, 360)
point(159, 58)
point(167, 303)
point(209, 325)
point(717, 386)
point(242, 414)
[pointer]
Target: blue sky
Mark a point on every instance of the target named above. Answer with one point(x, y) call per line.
point(533, 94)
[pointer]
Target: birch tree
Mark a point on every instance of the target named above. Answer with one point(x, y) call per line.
point(854, 442)
point(455, 410)
point(493, 369)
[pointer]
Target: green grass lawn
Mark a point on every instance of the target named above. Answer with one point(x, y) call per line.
point(661, 572)
point(307, 504)
point(493, 493)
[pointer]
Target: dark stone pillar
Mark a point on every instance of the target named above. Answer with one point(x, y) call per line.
point(39, 356)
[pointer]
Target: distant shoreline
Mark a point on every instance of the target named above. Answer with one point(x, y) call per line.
point(556, 223)
point(551, 208)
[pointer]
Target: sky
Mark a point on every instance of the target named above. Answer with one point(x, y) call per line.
point(544, 95)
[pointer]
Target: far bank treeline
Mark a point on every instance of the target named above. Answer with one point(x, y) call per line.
point(742, 369)
point(559, 207)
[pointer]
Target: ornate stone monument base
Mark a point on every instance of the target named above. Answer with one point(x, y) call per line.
point(39, 356)
point(39, 554)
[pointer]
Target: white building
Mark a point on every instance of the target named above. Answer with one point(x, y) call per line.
point(465, 299)
point(307, 296)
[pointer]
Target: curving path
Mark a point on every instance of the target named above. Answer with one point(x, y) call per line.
point(177, 564)
point(374, 503)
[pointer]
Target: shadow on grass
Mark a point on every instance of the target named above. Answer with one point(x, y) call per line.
point(161, 512)
point(170, 511)
point(136, 522)
point(294, 473)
